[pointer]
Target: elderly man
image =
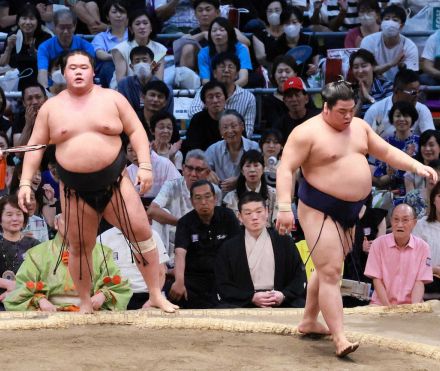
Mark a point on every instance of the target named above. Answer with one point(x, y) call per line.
point(44, 283)
point(406, 88)
point(199, 235)
point(399, 263)
point(258, 267)
point(225, 67)
point(174, 201)
point(91, 168)
point(337, 180)
point(63, 41)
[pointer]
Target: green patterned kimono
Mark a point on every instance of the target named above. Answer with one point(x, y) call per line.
point(36, 279)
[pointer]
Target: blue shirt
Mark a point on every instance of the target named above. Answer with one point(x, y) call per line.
point(403, 145)
point(107, 41)
point(204, 60)
point(220, 161)
point(380, 89)
point(52, 49)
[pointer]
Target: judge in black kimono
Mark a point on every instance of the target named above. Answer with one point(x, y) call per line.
point(259, 267)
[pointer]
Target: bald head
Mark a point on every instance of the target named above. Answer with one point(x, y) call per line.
point(407, 209)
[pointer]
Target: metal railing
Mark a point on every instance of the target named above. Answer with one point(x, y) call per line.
point(325, 35)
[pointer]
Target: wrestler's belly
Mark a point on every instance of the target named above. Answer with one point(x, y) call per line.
point(88, 152)
point(347, 179)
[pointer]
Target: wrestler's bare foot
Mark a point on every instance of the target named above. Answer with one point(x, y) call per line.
point(313, 328)
point(161, 303)
point(86, 307)
point(344, 347)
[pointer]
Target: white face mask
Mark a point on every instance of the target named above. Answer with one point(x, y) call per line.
point(58, 78)
point(292, 30)
point(142, 70)
point(273, 19)
point(367, 19)
point(390, 28)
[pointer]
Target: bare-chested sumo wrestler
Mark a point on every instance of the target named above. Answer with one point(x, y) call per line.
point(331, 150)
point(85, 123)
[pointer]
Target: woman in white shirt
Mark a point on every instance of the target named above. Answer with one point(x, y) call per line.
point(140, 32)
point(428, 228)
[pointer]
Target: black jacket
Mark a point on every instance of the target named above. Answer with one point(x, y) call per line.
point(233, 277)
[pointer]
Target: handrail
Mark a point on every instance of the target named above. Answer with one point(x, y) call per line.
point(257, 91)
point(333, 34)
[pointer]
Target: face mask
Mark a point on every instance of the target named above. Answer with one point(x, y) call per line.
point(390, 28)
point(292, 30)
point(58, 78)
point(273, 19)
point(142, 70)
point(367, 20)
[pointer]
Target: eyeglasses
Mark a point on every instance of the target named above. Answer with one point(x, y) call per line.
point(412, 93)
point(198, 170)
point(403, 221)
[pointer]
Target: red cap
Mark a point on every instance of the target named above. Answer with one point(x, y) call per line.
point(293, 83)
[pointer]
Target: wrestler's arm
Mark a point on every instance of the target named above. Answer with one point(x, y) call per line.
point(393, 156)
point(133, 128)
point(138, 139)
point(32, 160)
point(295, 153)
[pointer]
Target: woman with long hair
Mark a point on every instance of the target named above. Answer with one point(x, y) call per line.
point(222, 38)
point(104, 42)
point(271, 144)
point(428, 228)
point(252, 179)
point(141, 30)
point(368, 86)
point(273, 107)
point(429, 150)
point(21, 47)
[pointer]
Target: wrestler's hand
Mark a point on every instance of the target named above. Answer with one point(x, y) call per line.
point(98, 300)
point(427, 172)
point(46, 306)
point(160, 302)
point(263, 299)
point(24, 197)
point(145, 180)
point(285, 222)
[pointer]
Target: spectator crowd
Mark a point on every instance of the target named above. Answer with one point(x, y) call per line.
point(252, 71)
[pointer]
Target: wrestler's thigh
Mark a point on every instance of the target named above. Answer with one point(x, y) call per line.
point(329, 250)
point(81, 220)
point(134, 219)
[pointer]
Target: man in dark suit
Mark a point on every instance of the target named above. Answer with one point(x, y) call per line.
point(259, 267)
